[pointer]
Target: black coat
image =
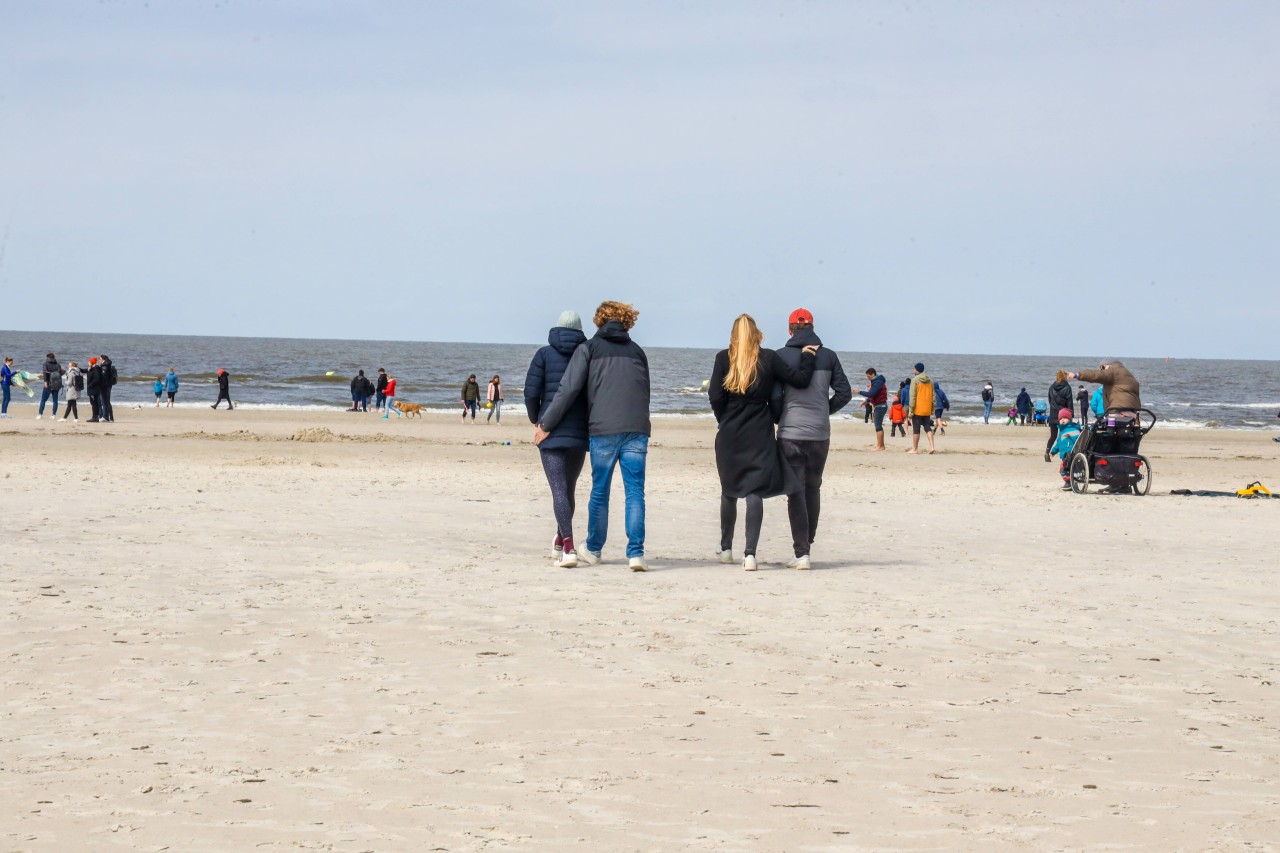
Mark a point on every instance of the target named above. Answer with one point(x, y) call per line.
point(747, 454)
point(1060, 397)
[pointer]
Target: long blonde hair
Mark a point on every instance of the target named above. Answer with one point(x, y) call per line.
point(744, 355)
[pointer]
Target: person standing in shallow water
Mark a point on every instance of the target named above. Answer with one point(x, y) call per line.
point(748, 458)
point(564, 451)
point(224, 389)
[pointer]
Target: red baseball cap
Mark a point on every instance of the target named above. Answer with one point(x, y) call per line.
point(801, 315)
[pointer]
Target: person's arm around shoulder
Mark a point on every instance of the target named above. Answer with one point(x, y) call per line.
point(797, 377)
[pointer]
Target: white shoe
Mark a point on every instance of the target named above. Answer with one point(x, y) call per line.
point(556, 551)
point(725, 556)
point(801, 563)
point(568, 561)
point(38, 417)
point(638, 564)
point(589, 558)
point(749, 562)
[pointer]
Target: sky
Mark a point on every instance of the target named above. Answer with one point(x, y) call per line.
point(980, 177)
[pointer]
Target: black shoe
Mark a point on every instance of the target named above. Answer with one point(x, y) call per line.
point(1046, 456)
point(1066, 487)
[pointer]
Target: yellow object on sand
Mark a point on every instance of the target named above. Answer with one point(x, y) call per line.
point(1253, 490)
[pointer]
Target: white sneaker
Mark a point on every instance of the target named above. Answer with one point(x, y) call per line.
point(568, 561)
point(589, 558)
point(800, 563)
point(638, 564)
point(556, 551)
point(38, 417)
point(749, 562)
point(725, 556)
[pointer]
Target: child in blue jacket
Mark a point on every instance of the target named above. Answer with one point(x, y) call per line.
point(1068, 432)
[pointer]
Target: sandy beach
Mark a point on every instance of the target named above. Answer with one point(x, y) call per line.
point(270, 630)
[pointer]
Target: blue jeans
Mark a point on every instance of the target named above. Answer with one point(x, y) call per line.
point(878, 416)
point(44, 398)
point(5, 408)
point(629, 450)
point(986, 410)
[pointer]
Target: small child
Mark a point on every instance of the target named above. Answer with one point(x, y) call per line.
point(1013, 417)
point(159, 389)
point(897, 416)
point(1068, 432)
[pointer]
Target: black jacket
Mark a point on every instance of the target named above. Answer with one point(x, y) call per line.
point(1060, 397)
point(613, 372)
point(542, 382)
point(224, 383)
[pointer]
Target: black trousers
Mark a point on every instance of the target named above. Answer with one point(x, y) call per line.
point(226, 395)
point(95, 404)
point(808, 459)
point(105, 412)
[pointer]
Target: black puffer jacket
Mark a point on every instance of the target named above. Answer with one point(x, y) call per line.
point(543, 381)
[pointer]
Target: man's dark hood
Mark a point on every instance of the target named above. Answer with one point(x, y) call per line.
point(613, 331)
point(804, 337)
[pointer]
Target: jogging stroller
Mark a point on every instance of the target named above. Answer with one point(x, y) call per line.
point(1106, 453)
point(1040, 412)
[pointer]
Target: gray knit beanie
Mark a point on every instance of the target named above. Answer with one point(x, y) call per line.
point(569, 320)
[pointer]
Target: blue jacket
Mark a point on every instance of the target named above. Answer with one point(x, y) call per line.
point(1095, 403)
point(1067, 435)
point(171, 382)
point(940, 401)
point(6, 375)
point(1023, 402)
point(543, 381)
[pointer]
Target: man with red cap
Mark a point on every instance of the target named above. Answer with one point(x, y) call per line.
point(804, 428)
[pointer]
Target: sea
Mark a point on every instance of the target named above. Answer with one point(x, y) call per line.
point(303, 373)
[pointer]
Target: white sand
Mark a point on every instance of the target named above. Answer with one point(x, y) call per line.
point(216, 638)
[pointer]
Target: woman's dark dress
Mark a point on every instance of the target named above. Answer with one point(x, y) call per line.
point(747, 454)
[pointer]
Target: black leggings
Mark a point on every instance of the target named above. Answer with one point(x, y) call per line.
point(1053, 432)
point(729, 519)
point(71, 410)
point(562, 468)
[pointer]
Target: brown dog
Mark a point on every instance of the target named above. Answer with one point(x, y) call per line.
point(409, 409)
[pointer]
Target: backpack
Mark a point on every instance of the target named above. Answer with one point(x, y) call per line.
point(55, 381)
point(986, 395)
point(111, 376)
point(78, 381)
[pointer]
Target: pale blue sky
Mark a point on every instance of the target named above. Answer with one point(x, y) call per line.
point(1017, 177)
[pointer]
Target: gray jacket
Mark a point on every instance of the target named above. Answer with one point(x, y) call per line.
point(614, 372)
point(806, 412)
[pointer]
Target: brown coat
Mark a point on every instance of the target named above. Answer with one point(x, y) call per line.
point(1119, 386)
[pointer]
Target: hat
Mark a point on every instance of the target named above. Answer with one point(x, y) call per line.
point(1065, 413)
point(220, 372)
point(800, 315)
point(93, 359)
point(569, 320)
point(919, 367)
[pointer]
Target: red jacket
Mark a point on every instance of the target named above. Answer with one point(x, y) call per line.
point(391, 388)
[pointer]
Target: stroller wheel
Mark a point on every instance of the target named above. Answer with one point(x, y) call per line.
point(1079, 473)
point(1143, 485)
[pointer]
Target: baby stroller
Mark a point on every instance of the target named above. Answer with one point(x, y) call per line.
point(1106, 453)
point(1040, 412)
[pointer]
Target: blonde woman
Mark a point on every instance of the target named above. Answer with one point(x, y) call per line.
point(747, 456)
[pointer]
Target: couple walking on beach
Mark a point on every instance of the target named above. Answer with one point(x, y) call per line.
point(592, 395)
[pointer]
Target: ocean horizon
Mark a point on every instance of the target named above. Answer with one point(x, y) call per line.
point(315, 373)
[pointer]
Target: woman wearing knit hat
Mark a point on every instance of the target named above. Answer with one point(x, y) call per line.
point(564, 450)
